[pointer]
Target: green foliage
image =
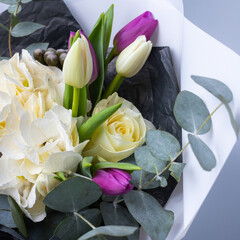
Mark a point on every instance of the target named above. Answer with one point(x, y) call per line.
point(13, 8)
point(190, 112)
point(85, 166)
point(17, 216)
point(147, 161)
point(9, 2)
point(202, 152)
point(162, 144)
point(90, 126)
point(121, 165)
point(13, 233)
point(4, 27)
point(97, 39)
point(73, 226)
point(25, 28)
point(5, 213)
point(115, 231)
point(177, 169)
point(220, 91)
point(115, 214)
point(215, 87)
point(26, 1)
point(73, 195)
point(155, 220)
point(35, 46)
point(108, 28)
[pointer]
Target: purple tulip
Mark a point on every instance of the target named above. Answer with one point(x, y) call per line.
point(144, 24)
point(113, 181)
point(94, 57)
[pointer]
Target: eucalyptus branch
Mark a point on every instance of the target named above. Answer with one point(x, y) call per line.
point(172, 160)
point(85, 220)
point(11, 27)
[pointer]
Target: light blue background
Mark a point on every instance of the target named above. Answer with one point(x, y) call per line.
point(218, 218)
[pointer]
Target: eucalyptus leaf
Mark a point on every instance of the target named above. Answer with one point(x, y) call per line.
point(216, 87)
point(14, 20)
point(120, 165)
point(23, 29)
point(4, 58)
point(13, 8)
point(232, 119)
point(26, 1)
point(85, 166)
point(12, 232)
point(162, 144)
point(96, 37)
point(73, 195)
point(9, 2)
point(4, 27)
point(176, 170)
point(190, 112)
point(32, 47)
point(162, 180)
point(156, 221)
point(115, 214)
point(73, 226)
point(141, 178)
point(108, 28)
point(115, 231)
point(17, 216)
point(202, 152)
point(147, 161)
point(5, 213)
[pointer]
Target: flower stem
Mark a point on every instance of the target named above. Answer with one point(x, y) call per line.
point(9, 41)
point(172, 160)
point(82, 107)
point(68, 96)
point(113, 86)
point(85, 220)
point(75, 103)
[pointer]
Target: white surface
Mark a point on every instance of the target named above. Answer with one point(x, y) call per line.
point(197, 54)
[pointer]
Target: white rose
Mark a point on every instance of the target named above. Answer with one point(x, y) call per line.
point(120, 135)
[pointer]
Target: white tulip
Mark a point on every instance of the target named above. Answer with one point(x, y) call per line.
point(132, 58)
point(78, 65)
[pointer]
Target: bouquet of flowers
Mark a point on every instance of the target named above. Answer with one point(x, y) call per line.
point(78, 159)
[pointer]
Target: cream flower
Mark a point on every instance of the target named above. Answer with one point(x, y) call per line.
point(120, 135)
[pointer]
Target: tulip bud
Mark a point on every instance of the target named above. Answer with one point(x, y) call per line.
point(113, 181)
point(144, 24)
point(78, 65)
point(131, 59)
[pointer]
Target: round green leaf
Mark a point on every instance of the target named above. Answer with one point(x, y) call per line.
point(17, 216)
point(25, 1)
point(12, 8)
point(34, 46)
point(9, 2)
point(162, 144)
point(115, 231)
point(176, 169)
point(155, 220)
point(147, 161)
point(202, 152)
point(217, 88)
point(73, 227)
point(190, 112)
point(73, 195)
point(25, 28)
point(5, 213)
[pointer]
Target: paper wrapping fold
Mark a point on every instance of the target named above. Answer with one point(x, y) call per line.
point(194, 52)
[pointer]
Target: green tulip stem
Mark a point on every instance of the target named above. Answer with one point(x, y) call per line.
point(82, 107)
point(75, 103)
point(114, 86)
point(68, 96)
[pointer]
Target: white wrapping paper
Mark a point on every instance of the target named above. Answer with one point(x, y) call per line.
point(194, 52)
